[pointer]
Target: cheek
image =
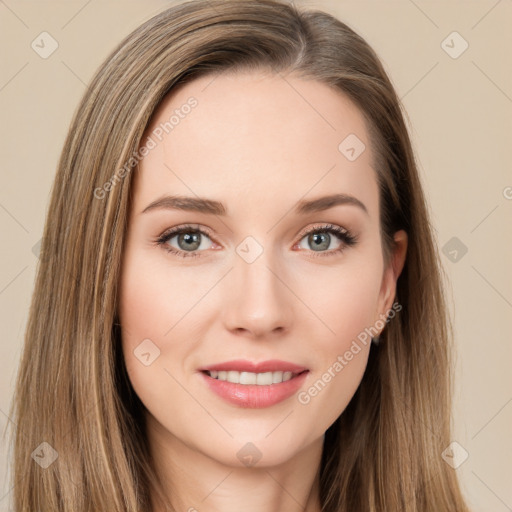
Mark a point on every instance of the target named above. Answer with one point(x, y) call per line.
point(147, 311)
point(151, 301)
point(344, 301)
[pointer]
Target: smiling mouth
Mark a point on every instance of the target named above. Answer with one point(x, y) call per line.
point(254, 385)
point(250, 378)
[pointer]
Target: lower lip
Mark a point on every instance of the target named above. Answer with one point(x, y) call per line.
point(253, 396)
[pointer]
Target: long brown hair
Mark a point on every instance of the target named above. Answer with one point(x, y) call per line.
point(384, 452)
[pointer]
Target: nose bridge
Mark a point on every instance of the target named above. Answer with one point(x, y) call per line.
point(258, 300)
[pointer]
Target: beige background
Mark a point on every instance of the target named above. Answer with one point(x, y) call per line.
point(460, 115)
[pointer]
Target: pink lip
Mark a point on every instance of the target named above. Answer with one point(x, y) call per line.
point(241, 365)
point(254, 396)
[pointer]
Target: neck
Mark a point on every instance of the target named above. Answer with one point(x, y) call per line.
point(194, 482)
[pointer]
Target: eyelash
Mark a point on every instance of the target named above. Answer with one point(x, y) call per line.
point(344, 235)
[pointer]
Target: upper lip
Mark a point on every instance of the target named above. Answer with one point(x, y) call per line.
point(242, 365)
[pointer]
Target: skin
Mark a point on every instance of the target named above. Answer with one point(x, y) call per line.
point(258, 143)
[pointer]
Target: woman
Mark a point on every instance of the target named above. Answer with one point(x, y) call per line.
point(239, 302)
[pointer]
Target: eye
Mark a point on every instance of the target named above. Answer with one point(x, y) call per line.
point(190, 241)
point(320, 239)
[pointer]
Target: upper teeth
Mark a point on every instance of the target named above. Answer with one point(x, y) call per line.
point(260, 379)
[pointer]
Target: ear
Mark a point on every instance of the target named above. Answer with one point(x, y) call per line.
point(391, 274)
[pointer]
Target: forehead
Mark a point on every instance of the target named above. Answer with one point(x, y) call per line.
point(254, 137)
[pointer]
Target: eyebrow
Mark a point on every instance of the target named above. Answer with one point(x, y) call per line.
point(212, 207)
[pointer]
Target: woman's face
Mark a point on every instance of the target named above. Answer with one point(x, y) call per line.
point(278, 268)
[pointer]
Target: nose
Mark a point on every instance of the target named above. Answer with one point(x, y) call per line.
point(258, 301)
